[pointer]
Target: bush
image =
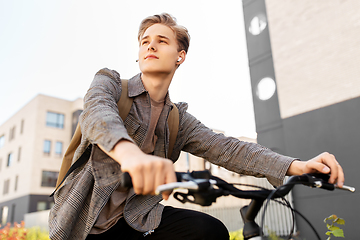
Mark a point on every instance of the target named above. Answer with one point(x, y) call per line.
point(19, 232)
point(236, 235)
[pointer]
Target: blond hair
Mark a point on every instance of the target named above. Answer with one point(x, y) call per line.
point(181, 33)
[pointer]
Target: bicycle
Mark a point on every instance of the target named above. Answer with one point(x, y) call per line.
point(204, 188)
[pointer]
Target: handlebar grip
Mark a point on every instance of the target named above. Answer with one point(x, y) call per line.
point(126, 180)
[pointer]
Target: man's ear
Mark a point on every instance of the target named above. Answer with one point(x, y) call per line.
point(181, 57)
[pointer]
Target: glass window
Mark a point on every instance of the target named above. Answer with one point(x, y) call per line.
point(16, 183)
point(4, 214)
point(10, 159)
point(2, 141)
point(47, 146)
point(266, 88)
point(55, 120)
point(41, 206)
point(58, 148)
point(12, 133)
point(6, 186)
point(49, 178)
point(258, 24)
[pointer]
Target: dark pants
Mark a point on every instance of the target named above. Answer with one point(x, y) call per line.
point(176, 224)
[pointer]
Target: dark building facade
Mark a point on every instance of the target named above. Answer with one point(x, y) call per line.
point(306, 93)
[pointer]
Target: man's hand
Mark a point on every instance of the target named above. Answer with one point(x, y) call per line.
point(323, 163)
point(147, 171)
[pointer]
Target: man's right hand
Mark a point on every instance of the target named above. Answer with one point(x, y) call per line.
point(147, 171)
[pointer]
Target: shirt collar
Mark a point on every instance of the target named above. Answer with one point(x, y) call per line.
point(136, 88)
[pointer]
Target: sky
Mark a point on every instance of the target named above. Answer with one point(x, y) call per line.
point(56, 47)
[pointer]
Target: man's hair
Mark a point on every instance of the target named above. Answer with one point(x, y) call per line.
point(181, 33)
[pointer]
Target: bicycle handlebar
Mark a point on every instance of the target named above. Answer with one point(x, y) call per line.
point(203, 181)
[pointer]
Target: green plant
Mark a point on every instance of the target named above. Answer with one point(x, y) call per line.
point(332, 229)
point(236, 235)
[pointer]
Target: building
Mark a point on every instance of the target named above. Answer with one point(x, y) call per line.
point(32, 143)
point(303, 58)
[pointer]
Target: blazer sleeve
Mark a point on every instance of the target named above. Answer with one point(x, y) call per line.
point(100, 121)
point(231, 153)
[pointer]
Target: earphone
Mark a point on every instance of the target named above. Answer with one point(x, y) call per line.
point(179, 59)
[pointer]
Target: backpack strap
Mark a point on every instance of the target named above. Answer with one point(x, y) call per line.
point(173, 123)
point(124, 106)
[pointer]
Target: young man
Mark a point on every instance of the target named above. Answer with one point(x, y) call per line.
point(91, 205)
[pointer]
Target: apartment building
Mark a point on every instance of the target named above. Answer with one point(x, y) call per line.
point(32, 143)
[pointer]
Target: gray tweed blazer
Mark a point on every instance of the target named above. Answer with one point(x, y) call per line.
point(85, 192)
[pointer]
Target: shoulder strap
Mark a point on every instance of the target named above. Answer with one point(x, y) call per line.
point(66, 167)
point(173, 123)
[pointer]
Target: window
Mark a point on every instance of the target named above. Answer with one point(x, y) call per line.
point(258, 24)
point(16, 183)
point(266, 88)
point(55, 120)
point(47, 146)
point(6, 186)
point(41, 206)
point(10, 159)
point(12, 216)
point(58, 148)
point(12, 133)
point(19, 154)
point(2, 141)
point(49, 178)
point(4, 214)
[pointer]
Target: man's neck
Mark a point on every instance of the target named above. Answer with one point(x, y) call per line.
point(157, 85)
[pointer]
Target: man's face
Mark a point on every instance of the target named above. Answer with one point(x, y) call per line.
point(158, 51)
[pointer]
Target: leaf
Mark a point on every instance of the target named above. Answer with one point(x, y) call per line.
point(338, 233)
point(331, 217)
point(333, 228)
point(328, 233)
point(340, 221)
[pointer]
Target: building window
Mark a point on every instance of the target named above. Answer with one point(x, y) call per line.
point(55, 120)
point(6, 186)
point(12, 218)
point(16, 183)
point(2, 141)
point(41, 206)
point(58, 148)
point(22, 126)
point(47, 147)
point(4, 214)
point(49, 179)
point(19, 154)
point(9, 160)
point(12, 133)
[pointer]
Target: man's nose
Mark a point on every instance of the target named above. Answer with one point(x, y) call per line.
point(152, 46)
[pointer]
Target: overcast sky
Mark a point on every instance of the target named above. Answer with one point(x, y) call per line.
point(56, 47)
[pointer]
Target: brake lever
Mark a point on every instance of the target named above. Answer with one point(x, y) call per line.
point(320, 180)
